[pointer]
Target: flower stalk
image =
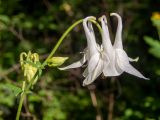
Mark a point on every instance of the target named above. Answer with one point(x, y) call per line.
point(36, 75)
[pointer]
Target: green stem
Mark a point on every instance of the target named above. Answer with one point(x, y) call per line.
point(61, 39)
point(44, 63)
point(97, 24)
point(23, 95)
point(20, 105)
point(65, 34)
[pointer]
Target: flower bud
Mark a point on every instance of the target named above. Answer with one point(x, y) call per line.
point(27, 62)
point(56, 61)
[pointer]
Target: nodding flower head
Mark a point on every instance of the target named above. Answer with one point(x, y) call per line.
point(92, 55)
point(111, 60)
point(119, 61)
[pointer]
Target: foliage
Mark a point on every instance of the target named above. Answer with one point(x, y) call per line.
point(155, 46)
point(153, 43)
point(37, 25)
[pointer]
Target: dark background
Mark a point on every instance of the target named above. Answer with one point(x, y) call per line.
point(37, 25)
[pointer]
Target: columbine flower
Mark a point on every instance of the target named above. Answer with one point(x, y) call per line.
point(111, 60)
point(118, 59)
point(92, 54)
point(91, 48)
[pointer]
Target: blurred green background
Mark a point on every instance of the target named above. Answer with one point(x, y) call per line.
point(37, 25)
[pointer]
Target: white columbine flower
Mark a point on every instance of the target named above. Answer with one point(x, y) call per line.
point(117, 57)
point(92, 54)
point(111, 60)
point(91, 48)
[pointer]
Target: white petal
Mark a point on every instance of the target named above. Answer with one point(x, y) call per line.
point(110, 68)
point(106, 41)
point(92, 76)
point(131, 70)
point(91, 41)
point(85, 73)
point(123, 62)
point(76, 64)
point(118, 37)
point(93, 62)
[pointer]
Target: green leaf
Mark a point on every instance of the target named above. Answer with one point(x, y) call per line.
point(52, 26)
point(39, 65)
point(155, 52)
point(39, 72)
point(155, 46)
point(28, 24)
point(16, 90)
point(156, 22)
point(3, 26)
point(152, 42)
point(4, 19)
